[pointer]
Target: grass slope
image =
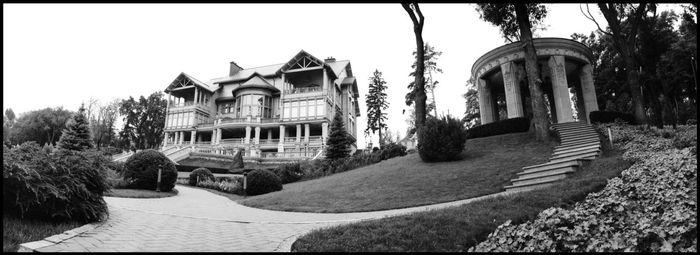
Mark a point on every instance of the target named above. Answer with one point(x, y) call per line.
point(16, 231)
point(458, 228)
point(487, 165)
point(139, 193)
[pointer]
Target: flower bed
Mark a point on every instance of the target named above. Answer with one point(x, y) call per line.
point(651, 207)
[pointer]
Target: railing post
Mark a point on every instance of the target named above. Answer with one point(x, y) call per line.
point(610, 137)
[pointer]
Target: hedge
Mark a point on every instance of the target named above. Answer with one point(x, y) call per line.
point(609, 117)
point(507, 126)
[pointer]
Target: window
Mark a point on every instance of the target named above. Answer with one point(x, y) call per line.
point(295, 109)
point(254, 105)
point(287, 109)
point(320, 107)
point(302, 108)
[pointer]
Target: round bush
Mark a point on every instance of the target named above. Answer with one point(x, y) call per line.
point(261, 181)
point(203, 174)
point(393, 150)
point(141, 169)
point(441, 139)
point(289, 172)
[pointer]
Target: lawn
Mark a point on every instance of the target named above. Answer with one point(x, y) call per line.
point(457, 229)
point(139, 193)
point(487, 165)
point(16, 231)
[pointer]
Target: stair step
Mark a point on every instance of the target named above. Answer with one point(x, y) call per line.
point(528, 187)
point(579, 138)
point(588, 155)
point(574, 130)
point(567, 150)
point(572, 123)
point(550, 165)
point(548, 177)
point(581, 132)
point(571, 153)
point(579, 142)
point(538, 172)
point(561, 147)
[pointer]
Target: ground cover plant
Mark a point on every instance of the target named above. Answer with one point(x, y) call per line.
point(16, 231)
point(458, 228)
point(140, 193)
point(200, 174)
point(652, 207)
point(486, 166)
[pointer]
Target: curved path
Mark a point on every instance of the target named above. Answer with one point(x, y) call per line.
point(198, 220)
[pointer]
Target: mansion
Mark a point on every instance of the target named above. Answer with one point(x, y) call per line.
point(275, 111)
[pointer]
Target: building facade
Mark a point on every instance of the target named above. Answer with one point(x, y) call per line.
point(275, 111)
point(565, 71)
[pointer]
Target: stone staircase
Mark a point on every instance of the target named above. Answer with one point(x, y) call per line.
point(579, 143)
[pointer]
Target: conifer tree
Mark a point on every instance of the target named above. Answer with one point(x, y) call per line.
point(76, 136)
point(339, 140)
point(376, 104)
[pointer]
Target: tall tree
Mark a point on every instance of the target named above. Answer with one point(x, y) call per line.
point(143, 121)
point(43, 126)
point(376, 104)
point(623, 26)
point(472, 116)
point(504, 16)
point(8, 121)
point(102, 122)
point(418, 20)
point(76, 136)
point(430, 60)
point(339, 140)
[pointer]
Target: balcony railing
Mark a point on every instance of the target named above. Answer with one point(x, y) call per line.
point(234, 120)
point(290, 154)
point(269, 141)
point(232, 141)
point(303, 90)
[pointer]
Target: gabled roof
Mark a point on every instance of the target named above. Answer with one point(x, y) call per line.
point(183, 80)
point(265, 71)
point(256, 81)
point(338, 66)
point(301, 60)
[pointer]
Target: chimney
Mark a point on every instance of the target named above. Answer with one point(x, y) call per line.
point(234, 68)
point(330, 59)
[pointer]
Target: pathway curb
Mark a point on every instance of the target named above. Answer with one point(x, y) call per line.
point(55, 239)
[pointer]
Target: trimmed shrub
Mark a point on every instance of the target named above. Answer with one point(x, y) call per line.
point(609, 117)
point(63, 185)
point(203, 174)
point(233, 186)
point(441, 139)
point(507, 126)
point(392, 150)
point(141, 170)
point(289, 172)
point(117, 166)
point(261, 181)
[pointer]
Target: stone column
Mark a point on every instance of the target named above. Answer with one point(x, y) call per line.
point(199, 138)
point(193, 137)
point(280, 146)
point(182, 137)
point(298, 133)
point(324, 131)
point(165, 140)
point(485, 102)
point(213, 136)
point(512, 90)
point(580, 108)
point(560, 89)
point(196, 94)
point(590, 102)
point(218, 135)
point(247, 135)
point(307, 132)
point(269, 135)
point(257, 135)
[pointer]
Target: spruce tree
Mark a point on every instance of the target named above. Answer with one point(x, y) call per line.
point(376, 105)
point(339, 140)
point(76, 136)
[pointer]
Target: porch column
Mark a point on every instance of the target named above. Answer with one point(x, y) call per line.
point(182, 137)
point(324, 131)
point(199, 138)
point(560, 89)
point(580, 108)
point(485, 102)
point(590, 102)
point(257, 135)
point(298, 133)
point(269, 135)
point(512, 89)
point(307, 132)
point(193, 136)
point(247, 135)
point(280, 146)
point(165, 141)
point(213, 136)
point(218, 135)
point(196, 95)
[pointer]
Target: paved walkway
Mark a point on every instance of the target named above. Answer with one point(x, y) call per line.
point(198, 220)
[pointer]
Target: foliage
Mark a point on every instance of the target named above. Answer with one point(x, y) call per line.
point(141, 170)
point(472, 116)
point(261, 181)
point(376, 104)
point(143, 121)
point(430, 67)
point(339, 141)
point(441, 139)
point(503, 16)
point(233, 186)
point(289, 172)
point(16, 231)
point(42, 126)
point(419, 98)
point(63, 185)
point(200, 174)
point(652, 207)
point(392, 150)
point(76, 136)
point(102, 119)
point(609, 117)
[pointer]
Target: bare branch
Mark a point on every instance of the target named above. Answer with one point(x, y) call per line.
point(590, 17)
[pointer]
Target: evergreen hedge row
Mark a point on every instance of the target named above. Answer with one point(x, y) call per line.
point(507, 126)
point(609, 117)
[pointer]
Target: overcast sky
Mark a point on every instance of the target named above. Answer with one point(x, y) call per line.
point(62, 55)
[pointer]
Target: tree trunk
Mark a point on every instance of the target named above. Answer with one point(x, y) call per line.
point(539, 111)
point(632, 74)
point(419, 87)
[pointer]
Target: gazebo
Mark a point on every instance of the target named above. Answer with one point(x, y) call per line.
point(563, 63)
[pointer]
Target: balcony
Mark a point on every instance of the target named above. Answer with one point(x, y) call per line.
point(306, 92)
point(188, 105)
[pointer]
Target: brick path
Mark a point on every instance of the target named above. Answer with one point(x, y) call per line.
point(198, 220)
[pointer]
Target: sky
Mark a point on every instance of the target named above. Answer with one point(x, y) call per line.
point(64, 54)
